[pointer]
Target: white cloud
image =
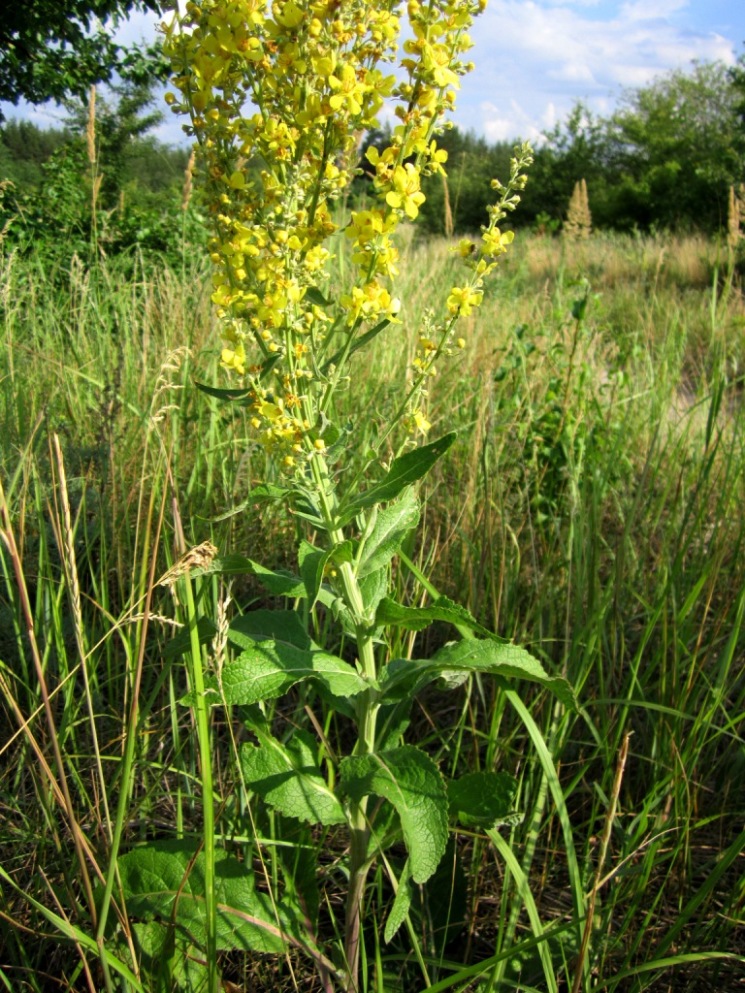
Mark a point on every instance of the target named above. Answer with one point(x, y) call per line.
point(650, 10)
point(573, 72)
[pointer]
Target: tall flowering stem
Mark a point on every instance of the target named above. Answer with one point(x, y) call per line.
point(278, 97)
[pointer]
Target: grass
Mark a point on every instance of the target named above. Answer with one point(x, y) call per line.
point(591, 511)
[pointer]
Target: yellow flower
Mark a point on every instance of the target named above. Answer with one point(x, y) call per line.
point(234, 358)
point(462, 300)
point(350, 92)
point(495, 243)
point(406, 194)
point(291, 15)
point(421, 423)
point(436, 60)
point(465, 248)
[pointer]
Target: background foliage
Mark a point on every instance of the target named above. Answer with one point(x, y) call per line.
point(51, 49)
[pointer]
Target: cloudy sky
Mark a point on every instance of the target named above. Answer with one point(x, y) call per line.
point(536, 58)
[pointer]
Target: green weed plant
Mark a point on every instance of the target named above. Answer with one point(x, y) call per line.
point(314, 74)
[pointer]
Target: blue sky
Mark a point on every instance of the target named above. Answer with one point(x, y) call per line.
point(536, 58)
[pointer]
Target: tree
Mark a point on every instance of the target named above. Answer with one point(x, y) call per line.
point(24, 147)
point(575, 149)
point(119, 129)
point(50, 49)
point(676, 148)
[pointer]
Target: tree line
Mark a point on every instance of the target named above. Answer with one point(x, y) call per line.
point(666, 159)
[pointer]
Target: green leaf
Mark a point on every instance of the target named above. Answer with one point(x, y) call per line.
point(404, 471)
point(315, 296)
point(269, 625)
point(180, 644)
point(268, 491)
point(313, 562)
point(287, 777)
point(417, 618)
point(165, 879)
point(503, 660)
point(391, 527)
point(403, 677)
point(401, 904)
point(358, 343)
point(410, 780)
point(482, 799)
point(373, 587)
point(168, 960)
point(242, 397)
point(279, 583)
point(269, 668)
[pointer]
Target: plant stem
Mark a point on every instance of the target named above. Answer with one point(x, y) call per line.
point(367, 711)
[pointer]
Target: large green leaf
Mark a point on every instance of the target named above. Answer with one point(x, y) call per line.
point(502, 659)
point(417, 618)
point(287, 777)
point(165, 880)
point(269, 668)
point(483, 799)
point(410, 780)
point(404, 677)
point(269, 625)
point(391, 527)
point(404, 471)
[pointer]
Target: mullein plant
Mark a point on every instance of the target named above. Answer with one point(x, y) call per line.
point(279, 96)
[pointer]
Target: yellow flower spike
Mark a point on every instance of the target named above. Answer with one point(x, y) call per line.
point(313, 73)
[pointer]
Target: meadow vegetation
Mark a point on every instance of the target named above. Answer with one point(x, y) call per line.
point(371, 598)
point(590, 509)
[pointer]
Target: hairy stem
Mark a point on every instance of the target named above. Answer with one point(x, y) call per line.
point(367, 711)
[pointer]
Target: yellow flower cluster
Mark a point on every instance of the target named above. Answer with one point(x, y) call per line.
point(279, 94)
